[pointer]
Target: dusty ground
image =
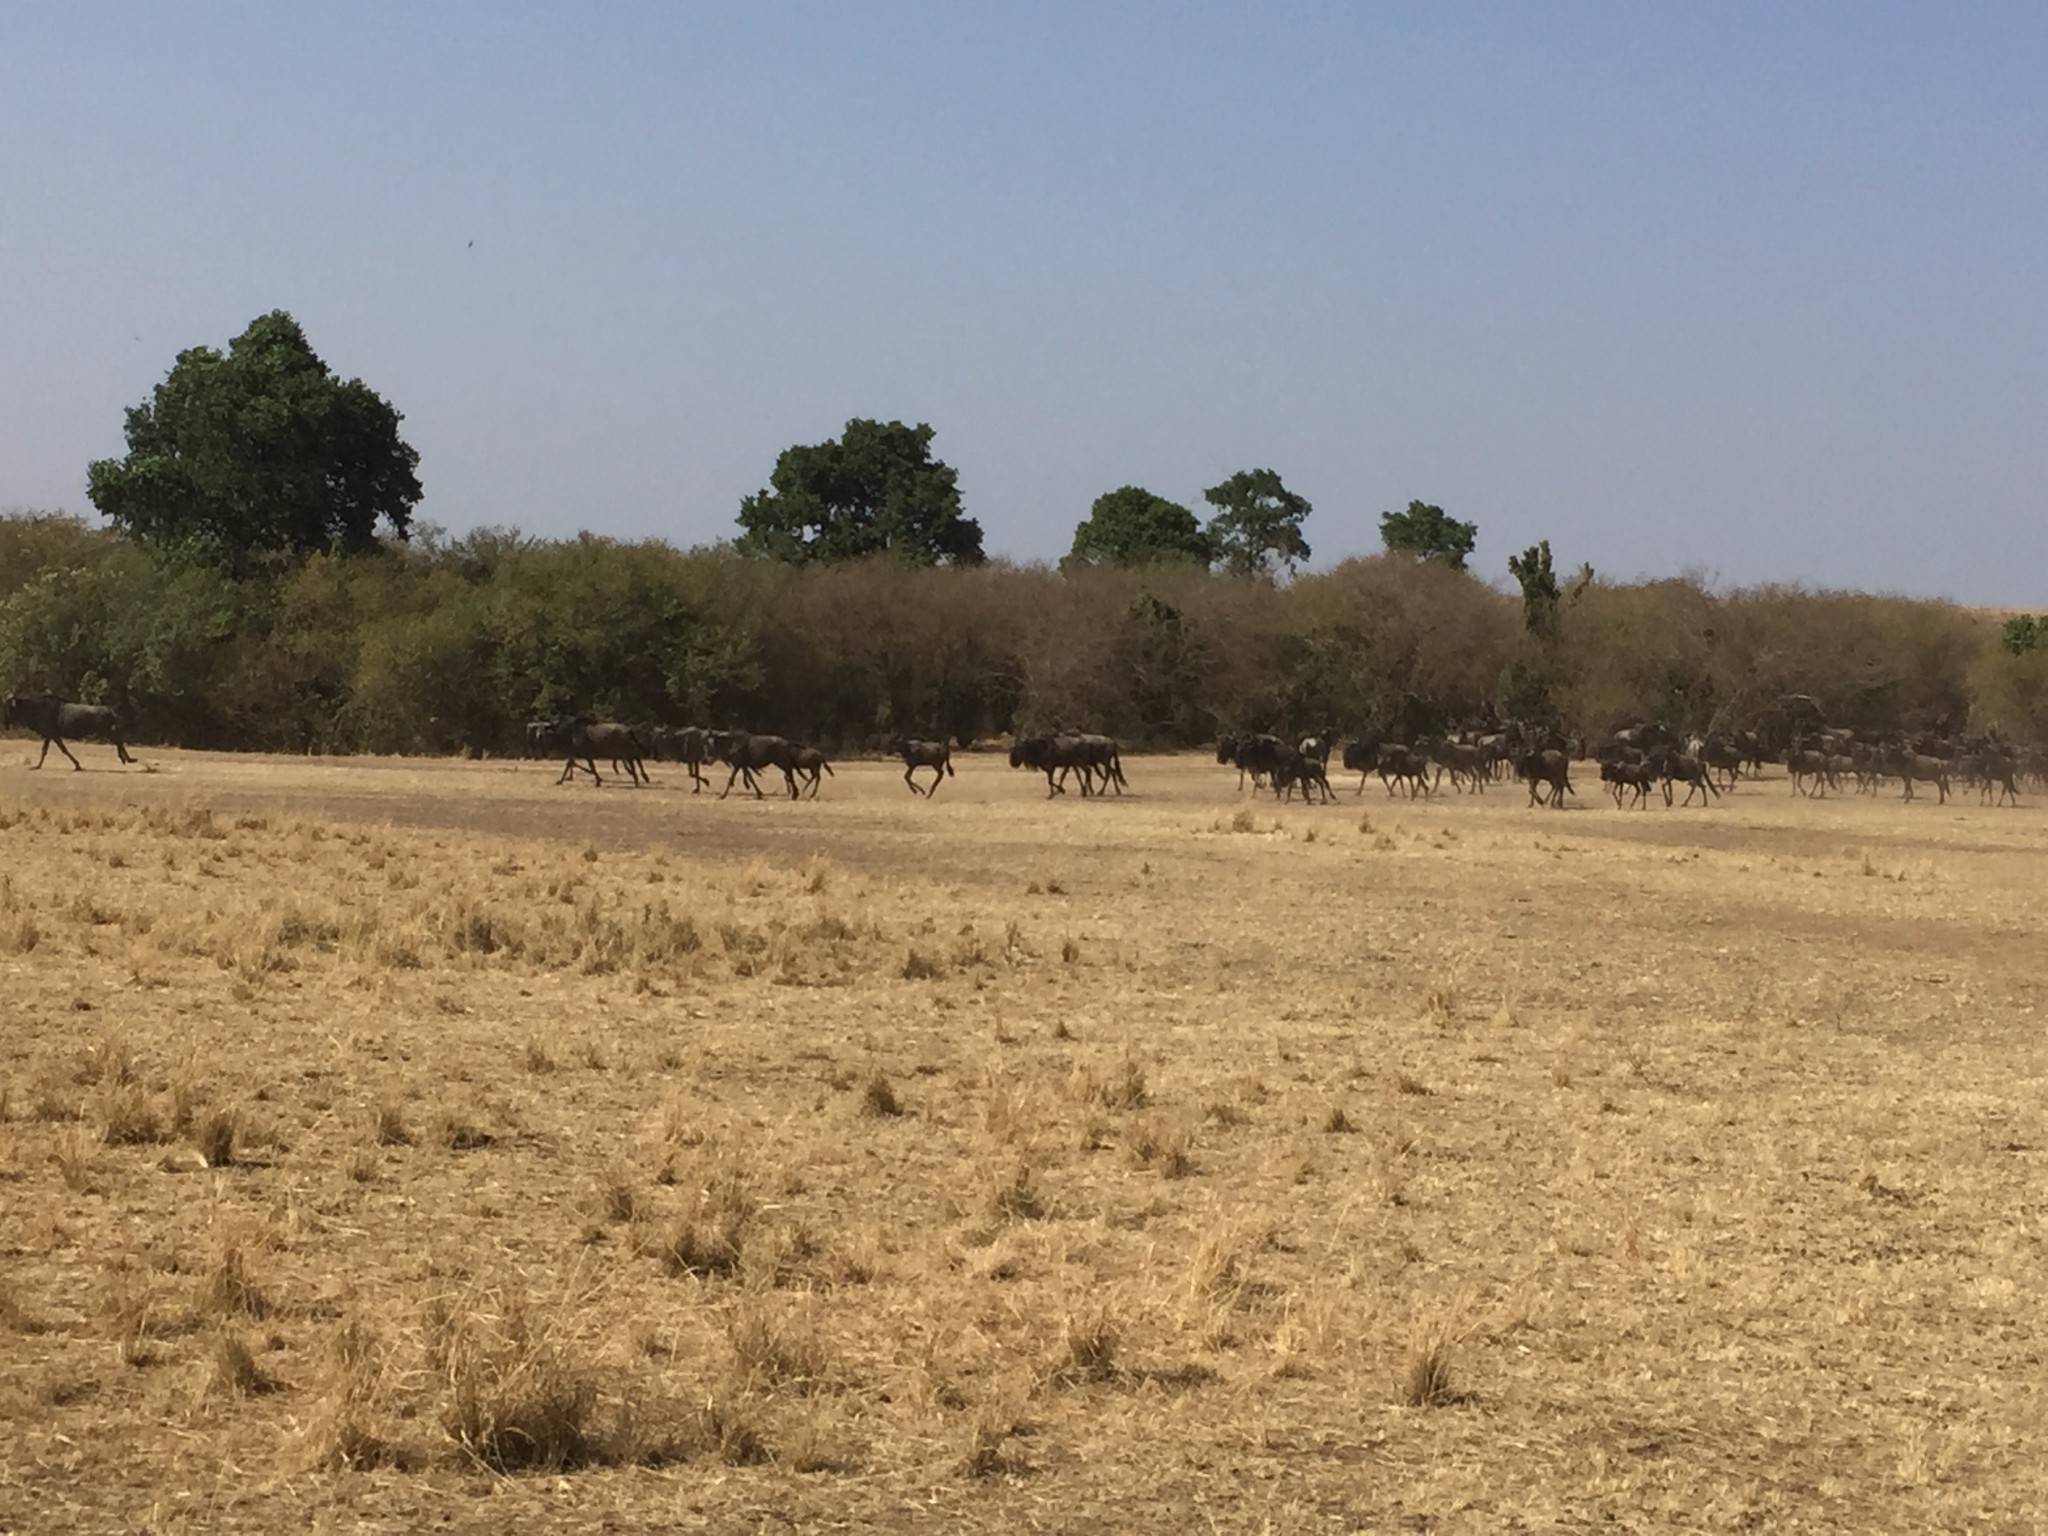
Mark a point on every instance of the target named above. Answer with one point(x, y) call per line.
point(372, 1130)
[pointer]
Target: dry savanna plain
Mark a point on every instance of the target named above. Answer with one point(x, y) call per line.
point(398, 1145)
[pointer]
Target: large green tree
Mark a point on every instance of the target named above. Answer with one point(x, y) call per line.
point(261, 450)
point(1257, 525)
point(1131, 526)
point(1428, 533)
point(876, 490)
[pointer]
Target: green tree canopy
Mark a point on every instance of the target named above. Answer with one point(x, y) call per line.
point(876, 490)
point(261, 450)
point(1131, 526)
point(1427, 533)
point(1257, 523)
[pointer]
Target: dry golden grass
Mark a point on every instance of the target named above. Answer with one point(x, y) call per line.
point(407, 1145)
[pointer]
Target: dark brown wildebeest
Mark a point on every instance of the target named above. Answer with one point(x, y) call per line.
point(582, 741)
point(1362, 756)
point(809, 766)
point(1627, 773)
point(1803, 763)
point(1915, 766)
point(1055, 754)
point(689, 745)
point(1100, 754)
point(1404, 765)
point(1251, 755)
point(935, 755)
point(1676, 767)
point(1462, 760)
point(1303, 769)
point(751, 754)
point(53, 719)
point(1548, 767)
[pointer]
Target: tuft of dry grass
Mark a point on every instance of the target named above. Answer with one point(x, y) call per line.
point(388, 1125)
point(235, 1370)
point(1426, 1372)
point(1337, 1122)
point(1090, 1338)
point(224, 1288)
point(516, 1398)
point(213, 1135)
point(878, 1098)
point(919, 966)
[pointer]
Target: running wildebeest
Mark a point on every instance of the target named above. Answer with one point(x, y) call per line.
point(583, 741)
point(1253, 755)
point(1362, 756)
point(1055, 754)
point(935, 755)
point(689, 745)
point(1547, 767)
point(1918, 767)
point(54, 719)
point(809, 765)
point(749, 754)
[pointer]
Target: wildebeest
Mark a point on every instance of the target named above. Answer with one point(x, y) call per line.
point(1362, 756)
point(1914, 766)
point(935, 755)
point(1548, 767)
point(1674, 766)
point(54, 719)
point(1398, 765)
point(1803, 763)
point(1304, 769)
point(1255, 755)
point(582, 741)
point(1057, 754)
point(1465, 763)
point(749, 754)
point(689, 745)
point(1627, 773)
point(809, 766)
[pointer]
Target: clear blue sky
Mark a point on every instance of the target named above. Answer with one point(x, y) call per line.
point(1757, 291)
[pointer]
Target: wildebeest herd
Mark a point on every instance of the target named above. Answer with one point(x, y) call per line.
point(1637, 760)
point(1634, 762)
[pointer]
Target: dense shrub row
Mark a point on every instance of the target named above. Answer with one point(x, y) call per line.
point(449, 644)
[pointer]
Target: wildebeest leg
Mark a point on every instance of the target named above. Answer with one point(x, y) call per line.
point(697, 779)
point(121, 747)
point(907, 772)
point(729, 780)
point(789, 779)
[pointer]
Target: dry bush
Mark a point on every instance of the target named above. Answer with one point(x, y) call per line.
point(340, 1430)
point(1090, 1339)
point(457, 1127)
point(127, 1116)
point(516, 1397)
point(919, 966)
point(877, 1097)
point(1164, 1146)
point(1337, 1122)
point(224, 1288)
point(74, 1158)
point(1426, 1373)
point(706, 1241)
point(213, 1136)
point(777, 1346)
point(1121, 1087)
point(1011, 1190)
point(388, 1125)
point(235, 1370)
point(619, 1197)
